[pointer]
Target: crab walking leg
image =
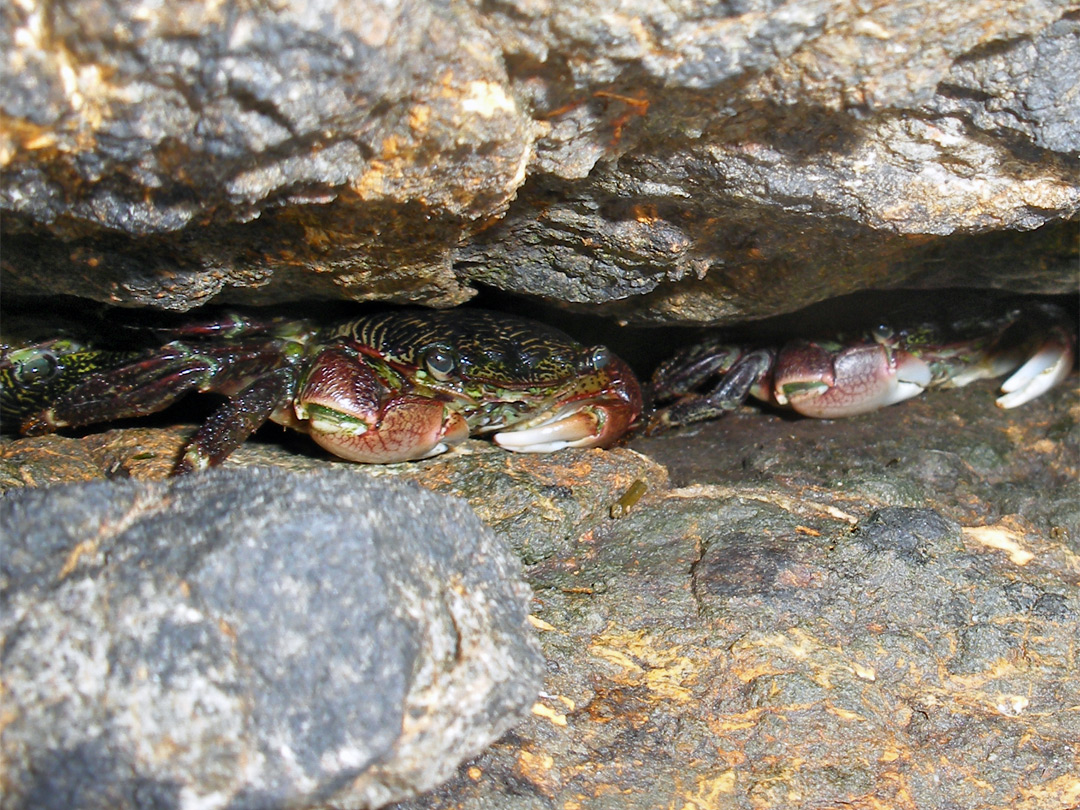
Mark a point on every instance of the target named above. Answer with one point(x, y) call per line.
point(230, 425)
point(150, 384)
point(734, 387)
point(694, 366)
point(138, 389)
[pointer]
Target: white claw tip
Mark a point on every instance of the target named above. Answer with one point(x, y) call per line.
point(1045, 369)
point(574, 430)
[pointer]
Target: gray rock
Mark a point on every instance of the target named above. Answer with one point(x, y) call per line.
point(1039, 103)
point(677, 163)
point(253, 639)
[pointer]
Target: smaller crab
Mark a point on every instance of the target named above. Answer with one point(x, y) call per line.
point(381, 388)
point(829, 379)
point(33, 375)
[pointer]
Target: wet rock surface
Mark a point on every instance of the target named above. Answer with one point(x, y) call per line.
point(671, 164)
point(253, 639)
point(828, 628)
point(879, 610)
point(953, 450)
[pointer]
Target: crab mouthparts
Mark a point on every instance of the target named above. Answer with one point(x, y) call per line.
point(580, 428)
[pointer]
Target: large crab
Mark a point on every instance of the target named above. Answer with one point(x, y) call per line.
point(390, 387)
point(827, 379)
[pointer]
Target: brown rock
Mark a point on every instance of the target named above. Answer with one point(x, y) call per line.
point(673, 166)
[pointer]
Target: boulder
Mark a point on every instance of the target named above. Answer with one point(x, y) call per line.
point(671, 164)
point(253, 639)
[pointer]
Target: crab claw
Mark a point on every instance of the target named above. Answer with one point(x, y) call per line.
point(826, 384)
point(1048, 366)
point(584, 418)
point(596, 424)
point(407, 428)
point(578, 428)
point(349, 411)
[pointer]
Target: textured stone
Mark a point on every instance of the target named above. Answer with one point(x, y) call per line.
point(809, 620)
point(252, 639)
point(672, 163)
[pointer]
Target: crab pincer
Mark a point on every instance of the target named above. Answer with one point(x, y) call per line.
point(359, 415)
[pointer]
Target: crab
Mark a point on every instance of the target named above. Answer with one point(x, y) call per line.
point(390, 387)
point(885, 365)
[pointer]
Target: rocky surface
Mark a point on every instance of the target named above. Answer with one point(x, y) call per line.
point(671, 163)
point(252, 639)
point(874, 612)
point(878, 611)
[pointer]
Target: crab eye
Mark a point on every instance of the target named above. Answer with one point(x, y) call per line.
point(40, 367)
point(441, 362)
point(600, 357)
point(882, 332)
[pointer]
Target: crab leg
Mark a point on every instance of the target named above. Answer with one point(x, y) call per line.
point(230, 425)
point(734, 387)
point(151, 384)
point(140, 388)
point(693, 366)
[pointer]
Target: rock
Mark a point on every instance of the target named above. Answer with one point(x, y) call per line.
point(539, 503)
point(173, 151)
point(954, 451)
point(668, 164)
point(808, 620)
point(253, 639)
